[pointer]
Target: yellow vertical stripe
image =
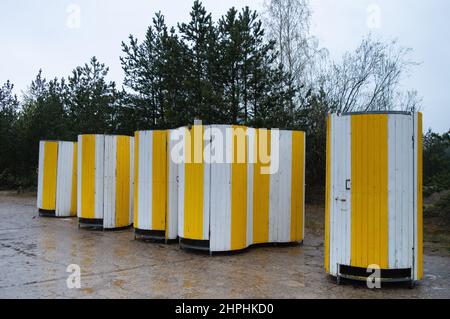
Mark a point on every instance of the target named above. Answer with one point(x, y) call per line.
point(123, 158)
point(261, 190)
point(194, 188)
point(369, 191)
point(73, 199)
point(49, 180)
point(298, 147)
point(327, 197)
point(239, 189)
point(159, 180)
point(136, 180)
point(88, 176)
point(419, 198)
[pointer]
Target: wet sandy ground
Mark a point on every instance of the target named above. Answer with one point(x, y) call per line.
point(35, 252)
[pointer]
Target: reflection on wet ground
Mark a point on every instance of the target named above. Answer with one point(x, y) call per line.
point(35, 253)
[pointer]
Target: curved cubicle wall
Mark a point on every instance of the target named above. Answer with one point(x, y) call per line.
point(57, 188)
point(66, 184)
point(230, 199)
point(278, 196)
point(105, 181)
point(48, 163)
point(193, 189)
point(155, 189)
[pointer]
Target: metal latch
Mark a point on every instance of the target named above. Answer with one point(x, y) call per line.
point(348, 184)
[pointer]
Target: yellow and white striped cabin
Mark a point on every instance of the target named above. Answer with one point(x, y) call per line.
point(105, 181)
point(57, 182)
point(374, 195)
point(155, 188)
point(229, 199)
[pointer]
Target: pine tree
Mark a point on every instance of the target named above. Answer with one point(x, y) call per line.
point(170, 67)
point(42, 117)
point(255, 87)
point(90, 99)
point(200, 37)
point(8, 118)
point(139, 67)
point(155, 76)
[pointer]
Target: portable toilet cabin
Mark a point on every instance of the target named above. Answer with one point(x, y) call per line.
point(105, 181)
point(155, 187)
point(57, 182)
point(228, 199)
point(373, 218)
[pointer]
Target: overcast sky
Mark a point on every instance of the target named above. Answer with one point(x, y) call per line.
point(48, 34)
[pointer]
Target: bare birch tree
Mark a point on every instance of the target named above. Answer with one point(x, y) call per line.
point(369, 79)
point(288, 22)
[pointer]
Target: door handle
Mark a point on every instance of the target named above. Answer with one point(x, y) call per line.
point(347, 184)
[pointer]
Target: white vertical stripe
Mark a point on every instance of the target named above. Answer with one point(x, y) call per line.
point(403, 202)
point(172, 196)
point(416, 135)
point(220, 193)
point(331, 252)
point(64, 178)
point(79, 170)
point(400, 198)
point(340, 197)
point(99, 174)
point(109, 192)
point(145, 186)
point(273, 192)
point(392, 225)
point(131, 215)
point(408, 195)
point(337, 161)
point(280, 188)
point(206, 185)
point(181, 180)
point(40, 174)
point(285, 171)
point(411, 192)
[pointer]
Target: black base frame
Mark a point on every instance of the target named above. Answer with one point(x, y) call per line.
point(51, 214)
point(386, 275)
point(152, 235)
point(203, 245)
